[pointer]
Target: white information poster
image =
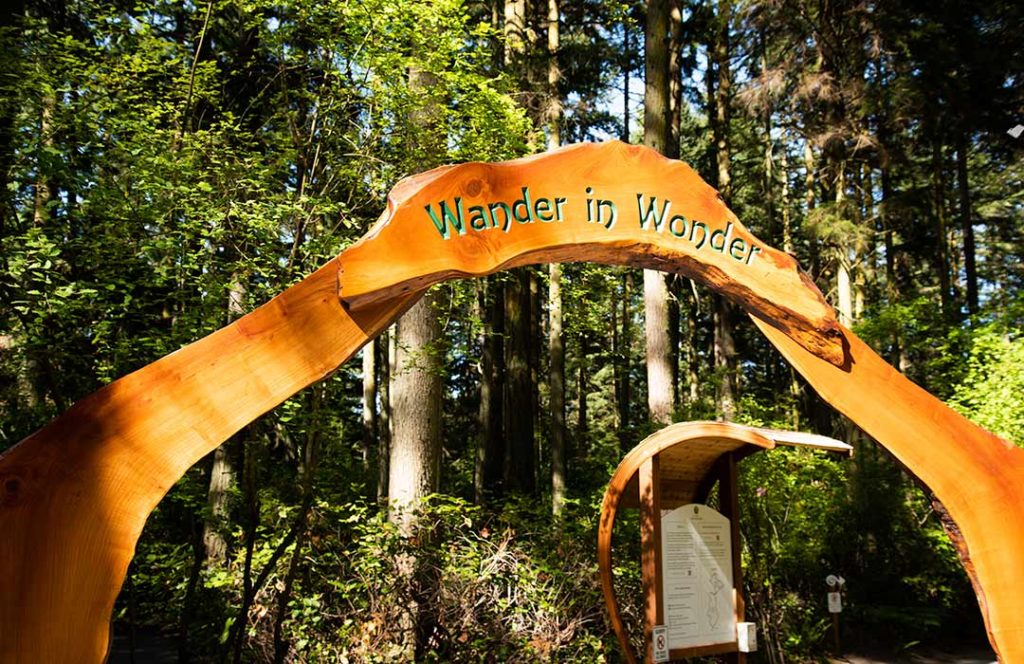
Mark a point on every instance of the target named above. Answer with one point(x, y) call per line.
point(696, 565)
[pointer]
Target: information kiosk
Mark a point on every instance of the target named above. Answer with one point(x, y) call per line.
point(690, 552)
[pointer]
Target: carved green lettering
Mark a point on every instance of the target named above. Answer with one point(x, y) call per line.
point(703, 233)
point(677, 221)
point(542, 208)
point(478, 218)
point(603, 204)
point(521, 208)
point(559, 204)
point(448, 220)
point(723, 235)
point(737, 248)
point(652, 213)
point(505, 210)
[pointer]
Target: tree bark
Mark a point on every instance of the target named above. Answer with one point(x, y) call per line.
point(939, 210)
point(386, 351)
point(967, 226)
point(625, 360)
point(724, 345)
point(844, 285)
point(491, 446)
point(518, 411)
point(416, 411)
point(556, 340)
point(556, 351)
point(369, 402)
point(657, 136)
point(221, 471)
point(307, 473)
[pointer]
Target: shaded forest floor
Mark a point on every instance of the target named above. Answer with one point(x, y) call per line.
point(153, 647)
point(971, 654)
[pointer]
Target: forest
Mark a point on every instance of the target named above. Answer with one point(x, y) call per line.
point(167, 166)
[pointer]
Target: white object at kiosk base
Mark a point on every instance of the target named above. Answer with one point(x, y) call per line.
point(746, 636)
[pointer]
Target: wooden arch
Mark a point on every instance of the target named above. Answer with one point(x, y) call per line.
point(75, 495)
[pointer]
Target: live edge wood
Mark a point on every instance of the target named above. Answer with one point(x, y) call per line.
point(766, 282)
point(75, 495)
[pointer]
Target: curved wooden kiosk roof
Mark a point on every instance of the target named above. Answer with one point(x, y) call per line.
point(75, 495)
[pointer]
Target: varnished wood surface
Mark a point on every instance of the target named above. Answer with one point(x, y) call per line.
point(977, 476)
point(764, 281)
point(75, 495)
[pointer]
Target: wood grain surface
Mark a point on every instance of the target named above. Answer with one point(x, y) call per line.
point(75, 495)
point(598, 181)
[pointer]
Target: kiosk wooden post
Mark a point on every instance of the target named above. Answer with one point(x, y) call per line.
point(650, 548)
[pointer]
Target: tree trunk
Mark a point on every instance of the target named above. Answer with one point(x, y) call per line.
point(626, 50)
point(221, 478)
point(625, 360)
point(518, 403)
point(43, 188)
point(725, 359)
point(939, 210)
point(582, 387)
point(307, 473)
point(657, 135)
point(369, 402)
point(659, 366)
point(556, 351)
point(967, 226)
point(844, 285)
point(416, 411)
point(386, 350)
point(724, 346)
point(675, 83)
point(556, 341)
point(491, 446)
point(485, 368)
point(221, 472)
point(692, 356)
point(787, 224)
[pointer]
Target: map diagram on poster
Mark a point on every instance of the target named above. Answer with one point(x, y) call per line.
point(696, 564)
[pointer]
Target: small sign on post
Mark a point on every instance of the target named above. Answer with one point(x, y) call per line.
point(835, 585)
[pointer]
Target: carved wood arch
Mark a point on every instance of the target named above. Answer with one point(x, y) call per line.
point(75, 495)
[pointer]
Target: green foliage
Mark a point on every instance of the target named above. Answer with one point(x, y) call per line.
point(990, 391)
